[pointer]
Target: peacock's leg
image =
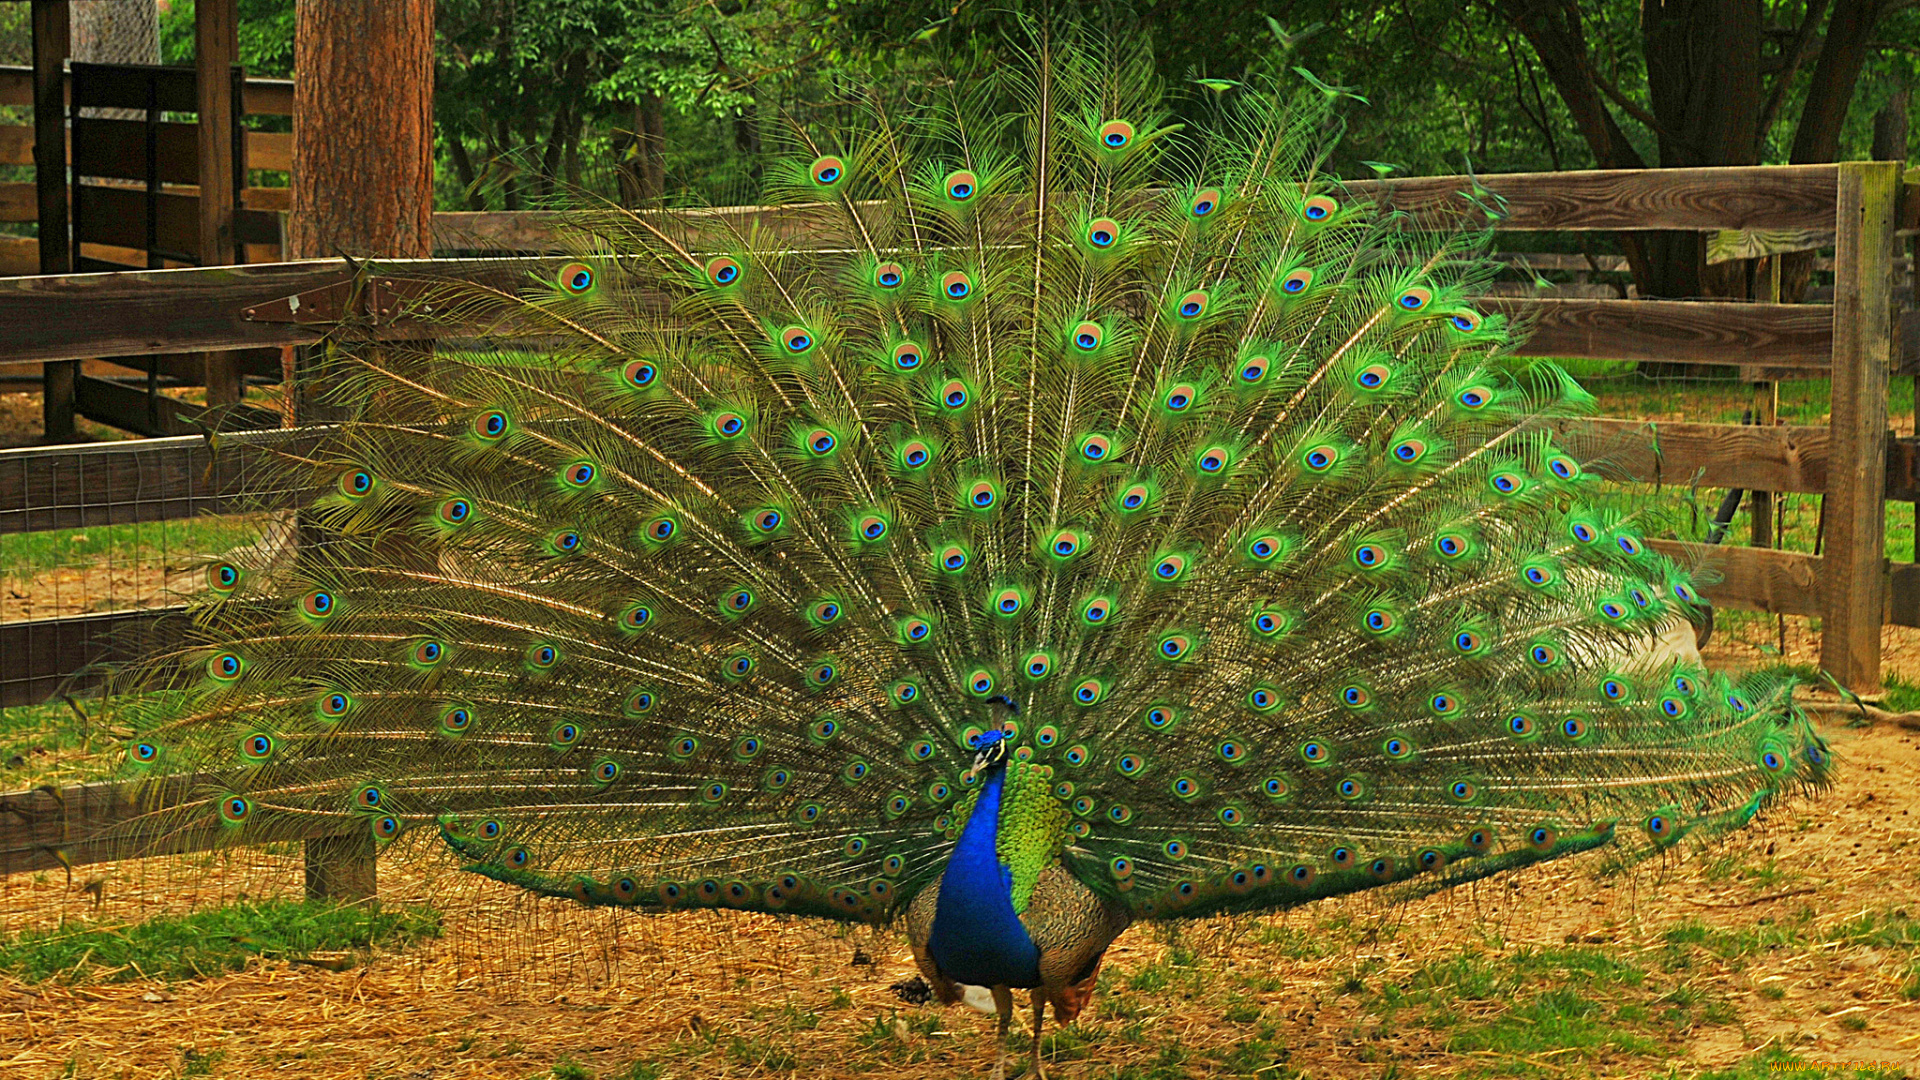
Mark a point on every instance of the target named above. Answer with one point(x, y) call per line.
point(1002, 1004)
point(1039, 1023)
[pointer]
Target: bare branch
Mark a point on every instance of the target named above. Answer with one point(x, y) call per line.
point(1792, 57)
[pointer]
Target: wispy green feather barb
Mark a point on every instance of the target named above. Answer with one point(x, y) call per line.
point(1209, 468)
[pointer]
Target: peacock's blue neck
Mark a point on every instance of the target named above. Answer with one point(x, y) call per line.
point(977, 937)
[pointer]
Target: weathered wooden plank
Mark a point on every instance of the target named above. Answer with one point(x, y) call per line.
point(127, 86)
point(16, 144)
point(118, 149)
point(265, 149)
point(1855, 507)
point(521, 230)
point(1903, 594)
point(18, 202)
point(1755, 197)
point(216, 46)
point(116, 483)
point(180, 310)
point(158, 479)
point(262, 97)
point(1703, 455)
point(129, 408)
point(1756, 579)
point(106, 315)
point(51, 47)
point(1684, 331)
point(118, 216)
point(19, 255)
point(45, 657)
point(46, 829)
point(270, 150)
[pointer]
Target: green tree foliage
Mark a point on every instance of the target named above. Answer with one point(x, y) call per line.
point(671, 99)
point(266, 35)
point(533, 94)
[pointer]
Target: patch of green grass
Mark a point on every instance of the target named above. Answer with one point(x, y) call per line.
point(1476, 977)
point(1539, 1011)
point(1558, 1020)
point(1295, 944)
point(1902, 695)
point(1727, 943)
point(1733, 866)
point(31, 734)
point(172, 542)
point(761, 1055)
point(1070, 1043)
point(1149, 979)
point(1240, 1011)
point(1773, 1063)
point(1881, 930)
point(1170, 1065)
point(197, 1063)
point(210, 942)
point(1261, 1054)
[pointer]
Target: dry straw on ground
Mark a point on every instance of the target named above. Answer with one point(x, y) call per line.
point(516, 985)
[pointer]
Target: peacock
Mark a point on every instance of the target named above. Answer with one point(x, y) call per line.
point(1034, 521)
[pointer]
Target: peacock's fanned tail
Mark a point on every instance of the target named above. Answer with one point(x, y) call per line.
point(1200, 474)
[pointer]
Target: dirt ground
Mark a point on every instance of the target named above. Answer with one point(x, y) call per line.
point(708, 995)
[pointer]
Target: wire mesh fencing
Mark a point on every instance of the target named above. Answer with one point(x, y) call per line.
point(97, 540)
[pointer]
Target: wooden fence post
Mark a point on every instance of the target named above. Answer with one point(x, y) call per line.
point(51, 43)
point(1854, 563)
point(216, 49)
point(341, 868)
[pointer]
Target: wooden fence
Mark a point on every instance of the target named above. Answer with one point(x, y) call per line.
point(268, 150)
point(1855, 463)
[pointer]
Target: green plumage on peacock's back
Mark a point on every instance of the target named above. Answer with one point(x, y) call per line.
point(1133, 494)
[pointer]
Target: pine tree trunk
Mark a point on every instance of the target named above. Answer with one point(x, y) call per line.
point(362, 186)
point(363, 129)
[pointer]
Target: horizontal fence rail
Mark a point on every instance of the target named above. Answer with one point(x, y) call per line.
point(54, 828)
point(120, 483)
point(91, 316)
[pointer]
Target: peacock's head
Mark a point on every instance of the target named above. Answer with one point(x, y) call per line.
point(991, 750)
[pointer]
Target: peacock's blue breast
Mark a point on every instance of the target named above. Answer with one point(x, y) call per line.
point(977, 937)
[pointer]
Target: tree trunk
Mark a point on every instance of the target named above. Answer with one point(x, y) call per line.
point(363, 187)
point(1555, 32)
point(116, 32)
point(1817, 137)
point(1890, 129)
point(746, 131)
point(363, 159)
point(1703, 72)
point(1703, 76)
point(643, 173)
